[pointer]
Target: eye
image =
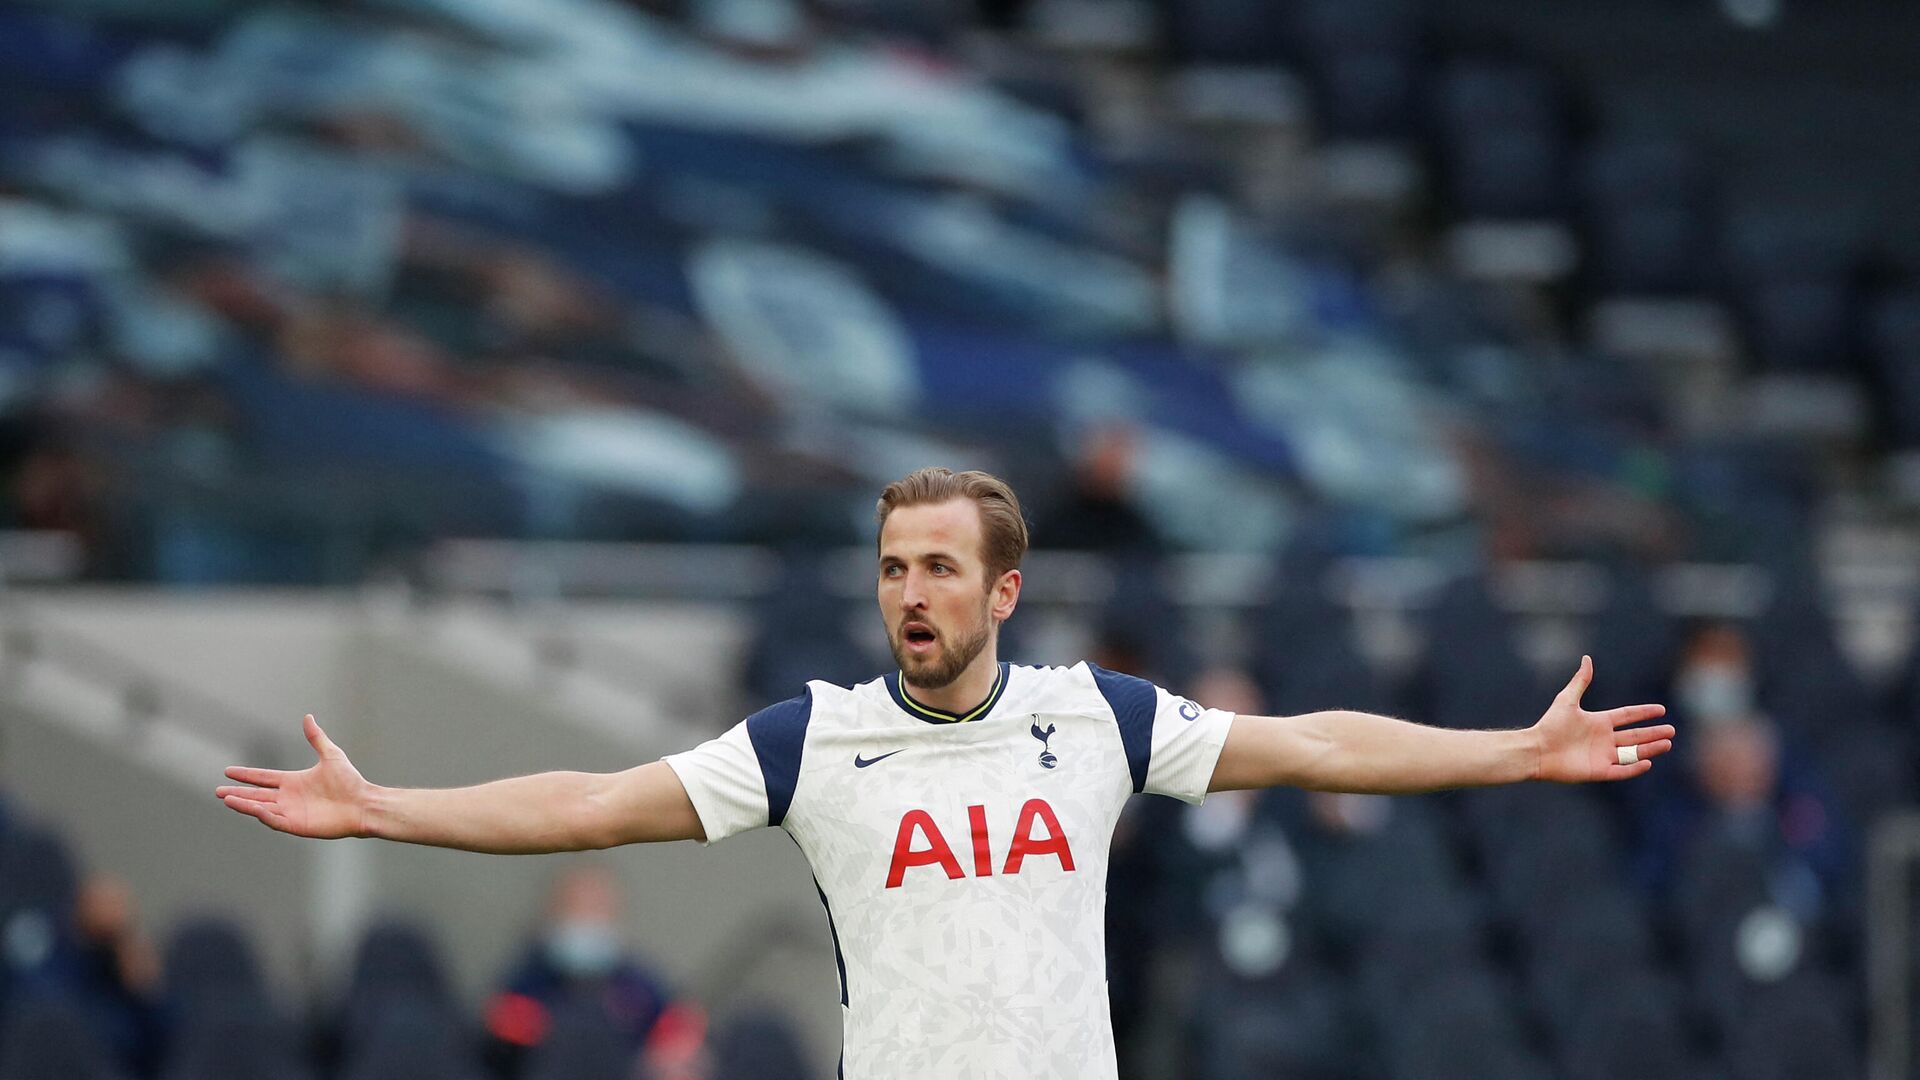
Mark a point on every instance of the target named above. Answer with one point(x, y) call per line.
point(890, 570)
point(942, 568)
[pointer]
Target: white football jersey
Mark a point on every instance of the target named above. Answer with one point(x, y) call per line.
point(962, 858)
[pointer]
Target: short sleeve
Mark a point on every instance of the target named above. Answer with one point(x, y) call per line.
point(745, 779)
point(1171, 743)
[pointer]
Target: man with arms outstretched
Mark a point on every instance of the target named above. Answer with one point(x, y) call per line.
point(956, 813)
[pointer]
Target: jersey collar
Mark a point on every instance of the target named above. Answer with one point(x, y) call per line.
point(897, 687)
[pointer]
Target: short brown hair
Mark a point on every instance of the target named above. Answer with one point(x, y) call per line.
point(1003, 531)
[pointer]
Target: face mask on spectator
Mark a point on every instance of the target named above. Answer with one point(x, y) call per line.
point(1716, 692)
point(583, 948)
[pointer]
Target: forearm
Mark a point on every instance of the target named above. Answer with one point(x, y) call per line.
point(1362, 752)
point(524, 815)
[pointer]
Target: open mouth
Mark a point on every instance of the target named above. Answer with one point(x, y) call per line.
point(918, 636)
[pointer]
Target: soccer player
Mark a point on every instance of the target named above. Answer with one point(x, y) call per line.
point(956, 813)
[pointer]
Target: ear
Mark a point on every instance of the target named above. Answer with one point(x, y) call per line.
point(1004, 596)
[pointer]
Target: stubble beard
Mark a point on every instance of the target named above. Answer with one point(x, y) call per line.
point(955, 657)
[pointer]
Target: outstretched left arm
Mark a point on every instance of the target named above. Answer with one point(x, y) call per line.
point(1361, 752)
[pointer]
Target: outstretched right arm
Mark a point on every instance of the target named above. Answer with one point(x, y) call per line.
point(524, 815)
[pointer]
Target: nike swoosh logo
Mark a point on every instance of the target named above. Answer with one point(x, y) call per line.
point(862, 762)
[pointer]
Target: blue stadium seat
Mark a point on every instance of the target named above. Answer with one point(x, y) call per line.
point(1594, 943)
point(1647, 209)
point(582, 1044)
point(1796, 293)
point(1634, 642)
point(1473, 675)
point(1402, 876)
point(1227, 32)
point(1633, 1024)
point(1502, 140)
point(1461, 1025)
point(37, 881)
point(399, 956)
point(801, 632)
point(208, 961)
point(1364, 60)
point(1298, 1024)
point(1543, 848)
point(236, 1035)
point(46, 1038)
point(758, 1045)
point(1800, 1029)
point(410, 1038)
point(1893, 341)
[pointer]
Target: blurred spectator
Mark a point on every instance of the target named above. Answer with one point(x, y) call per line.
point(1745, 796)
point(1714, 680)
point(1098, 511)
point(121, 972)
point(579, 958)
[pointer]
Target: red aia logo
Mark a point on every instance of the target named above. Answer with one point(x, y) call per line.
point(937, 853)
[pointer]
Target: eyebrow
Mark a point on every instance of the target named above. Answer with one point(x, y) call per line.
point(931, 556)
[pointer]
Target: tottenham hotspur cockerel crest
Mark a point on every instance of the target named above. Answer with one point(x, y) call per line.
point(1047, 760)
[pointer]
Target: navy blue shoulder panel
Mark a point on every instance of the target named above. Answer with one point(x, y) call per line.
point(778, 733)
point(1133, 702)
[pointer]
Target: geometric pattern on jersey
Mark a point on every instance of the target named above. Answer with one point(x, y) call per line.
point(962, 858)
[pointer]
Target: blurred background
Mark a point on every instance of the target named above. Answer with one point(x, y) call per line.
point(510, 382)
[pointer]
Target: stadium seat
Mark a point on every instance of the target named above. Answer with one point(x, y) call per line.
point(1807, 686)
point(1400, 964)
point(398, 957)
point(757, 1045)
point(1577, 956)
point(1361, 884)
point(581, 1045)
point(1633, 1024)
point(1306, 658)
point(1227, 32)
point(1634, 642)
point(1365, 64)
point(410, 1038)
point(1800, 1029)
point(1501, 140)
point(208, 961)
point(1543, 848)
point(1473, 675)
point(1299, 1026)
point(1461, 1025)
point(46, 1038)
point(36, 911)
point(1796, 294)
point(235, 1035)
point(803, 631)
point(1647, 210)
point(1893, 336)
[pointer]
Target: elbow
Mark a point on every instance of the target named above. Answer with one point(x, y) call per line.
point(1315, 758)
point(594, 825)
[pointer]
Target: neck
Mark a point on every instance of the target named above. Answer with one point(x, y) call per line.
point(965, 692)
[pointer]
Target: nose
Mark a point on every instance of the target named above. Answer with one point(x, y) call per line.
point(913, 594)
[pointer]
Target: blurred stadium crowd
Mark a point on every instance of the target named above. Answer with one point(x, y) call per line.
point(288, 291)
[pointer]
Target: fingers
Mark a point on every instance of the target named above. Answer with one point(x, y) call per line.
point(1633, 714)
point(1642, 766)
point(1577, 688)
point(317, 738)
point(1628, 772)
point(251, 794)
point(1655, 749)
point(1640, 736)
point(266, 778)
point(267, 814)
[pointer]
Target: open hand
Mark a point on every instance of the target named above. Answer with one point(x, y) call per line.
point(1577, 746)
point(326, 801)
